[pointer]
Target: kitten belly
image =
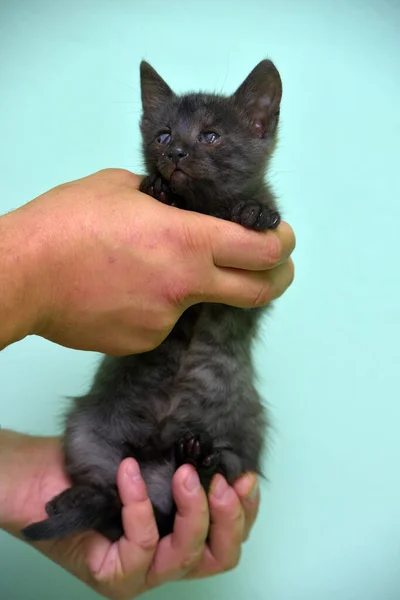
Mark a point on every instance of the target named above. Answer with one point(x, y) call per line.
point(158, 480)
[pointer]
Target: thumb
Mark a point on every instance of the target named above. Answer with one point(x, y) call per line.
point(233, 245)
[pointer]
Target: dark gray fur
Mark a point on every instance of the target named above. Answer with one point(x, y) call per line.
point(193, 398)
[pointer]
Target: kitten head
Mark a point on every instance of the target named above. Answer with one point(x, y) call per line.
point(209, 144)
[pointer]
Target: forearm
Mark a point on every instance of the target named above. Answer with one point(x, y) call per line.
point(20, 277)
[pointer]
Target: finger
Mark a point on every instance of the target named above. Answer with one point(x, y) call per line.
point(248, 491)
point(134, 551)
point(226, 530)
point(179, 552)
point(237, 247)
point(249, 289)
point(137, 546)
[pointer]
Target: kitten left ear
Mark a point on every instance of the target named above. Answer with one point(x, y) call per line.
point(259, 97)
point(155, 91)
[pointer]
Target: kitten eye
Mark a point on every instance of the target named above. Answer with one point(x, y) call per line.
point(164, 137)
point(208, 137)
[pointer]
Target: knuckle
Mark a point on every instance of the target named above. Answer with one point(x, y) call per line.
point(159, 322)
point(197, 515)
point(247, 533)
point(151, 343)
point(232, 562)
point(287, 236)
point(119, 177)
point(202, 519)
point(285, 279)
point(119, 174)
point(262, 295)
point(292, 239)
point(191, 238)
point(201, 530)
point(148, 538)
point(191, 559)
point(182, 286)
point(237, 526)
point(190, 276)
point(157, 336)
point(272, 249)
point(291, 271)
point(110, 173)
point(178, 290)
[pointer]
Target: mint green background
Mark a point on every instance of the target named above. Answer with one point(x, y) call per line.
point(329, 526)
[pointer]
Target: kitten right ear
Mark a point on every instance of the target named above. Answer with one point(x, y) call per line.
point(259, 98)
point(153, 87)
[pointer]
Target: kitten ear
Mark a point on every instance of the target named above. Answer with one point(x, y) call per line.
point(153, 87)
point(259, 98)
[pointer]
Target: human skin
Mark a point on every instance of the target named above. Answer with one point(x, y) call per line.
point(31, 472)
point(96, 265)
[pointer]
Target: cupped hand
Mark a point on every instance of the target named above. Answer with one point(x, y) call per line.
point(139, 561)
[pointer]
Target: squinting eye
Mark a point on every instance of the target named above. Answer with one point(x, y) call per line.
point(208, 137)
point(164, 138)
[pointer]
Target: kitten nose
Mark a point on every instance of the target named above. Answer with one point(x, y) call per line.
point(177, 154)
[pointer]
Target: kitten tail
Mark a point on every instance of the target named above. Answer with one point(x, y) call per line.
point(60, 525)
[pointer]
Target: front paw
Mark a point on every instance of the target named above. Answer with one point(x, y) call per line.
point(255, 215)
point(158, 188)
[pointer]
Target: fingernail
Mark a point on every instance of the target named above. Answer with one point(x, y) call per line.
point(133, 471)
point(220, 488)
point(137, 487)
point(192, 482)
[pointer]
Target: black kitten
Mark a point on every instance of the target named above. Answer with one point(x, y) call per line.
point(191, 400)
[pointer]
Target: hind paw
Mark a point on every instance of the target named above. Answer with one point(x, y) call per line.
point(198, 450)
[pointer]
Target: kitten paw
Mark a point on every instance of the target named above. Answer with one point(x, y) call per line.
point(198, 450)
point(254, 215)
point(159, 189)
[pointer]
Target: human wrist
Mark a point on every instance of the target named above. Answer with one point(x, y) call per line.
point(21, 276)
point(31, 468)
point(12, 448)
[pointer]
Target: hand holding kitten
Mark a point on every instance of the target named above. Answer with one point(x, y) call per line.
point(138, 561)
point(96, 265)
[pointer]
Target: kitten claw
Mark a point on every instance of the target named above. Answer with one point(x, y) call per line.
point(211, 459)
point(163, 198)
point(255, 215)
point(158, 188)
point(197, 451)
point(275, 219)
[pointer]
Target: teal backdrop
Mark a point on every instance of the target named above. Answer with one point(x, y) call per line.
point(329, 361)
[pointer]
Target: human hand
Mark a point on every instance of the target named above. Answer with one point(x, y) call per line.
point(138, 561)
point(109, 269)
